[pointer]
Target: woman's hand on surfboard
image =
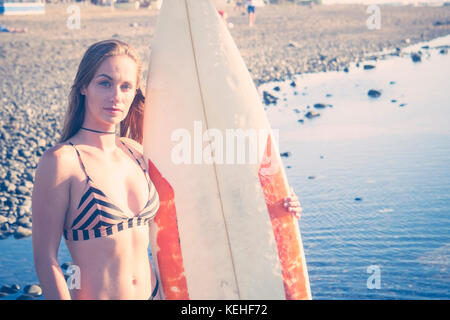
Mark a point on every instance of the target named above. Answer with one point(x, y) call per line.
point(292, 204)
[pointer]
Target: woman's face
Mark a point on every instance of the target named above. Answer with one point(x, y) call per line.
point(109, 95)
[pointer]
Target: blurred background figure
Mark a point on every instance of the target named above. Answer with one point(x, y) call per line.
point(251, 13)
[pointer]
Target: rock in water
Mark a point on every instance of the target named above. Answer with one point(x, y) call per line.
point(312, 114)
point(269, 99)
point(22, 232)
point(33, 290)
point(368, 67)
point(374, 93)
point(416, 57)
point(286, 154)
point(10, 289)
point(320, 105)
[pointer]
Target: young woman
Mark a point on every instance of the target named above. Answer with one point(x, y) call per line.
point(93, 187)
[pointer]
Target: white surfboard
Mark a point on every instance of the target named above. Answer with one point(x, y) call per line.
point(221, 231)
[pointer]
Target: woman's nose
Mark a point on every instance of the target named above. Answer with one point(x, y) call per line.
point(116, 94)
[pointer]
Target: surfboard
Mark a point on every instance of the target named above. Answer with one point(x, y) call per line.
point(221, 231)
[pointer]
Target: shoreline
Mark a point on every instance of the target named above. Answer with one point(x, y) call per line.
point(287, 40)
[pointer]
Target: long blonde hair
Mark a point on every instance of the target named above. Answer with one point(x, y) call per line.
point(132, 125)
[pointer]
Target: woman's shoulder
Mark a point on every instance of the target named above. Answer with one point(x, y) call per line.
point(59, 158)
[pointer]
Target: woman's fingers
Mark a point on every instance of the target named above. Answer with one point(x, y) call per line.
point(292, 204)
point(288, 204)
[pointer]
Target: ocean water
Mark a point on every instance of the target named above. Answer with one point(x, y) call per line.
point(393, 156)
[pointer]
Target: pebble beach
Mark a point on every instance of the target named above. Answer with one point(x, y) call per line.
point(37, 67)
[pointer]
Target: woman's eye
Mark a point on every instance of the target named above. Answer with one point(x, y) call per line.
point(126, 87)
point(104, 83)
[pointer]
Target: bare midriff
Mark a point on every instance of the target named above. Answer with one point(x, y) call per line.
point(113, 267)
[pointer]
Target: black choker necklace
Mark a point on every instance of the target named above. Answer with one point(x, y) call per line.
point(97, 131)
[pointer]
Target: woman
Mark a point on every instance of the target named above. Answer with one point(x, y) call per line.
point(93, 187)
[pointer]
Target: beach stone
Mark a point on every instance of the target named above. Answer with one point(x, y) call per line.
point(443, 51)
point(358, 199)
point(320, 105)
point(33, 290)
point(3, 219)
point(311, 177)
point(23, 190)
point(24, 153)
point(286, 154)
point(7, 186)
point(12, 219)
point(27, 184)
point(368, 67)
point(374, 93)
point(42, 142)
point(312, 114)
point(416, 57)
point(293, 84)
point(269, 99)
point(22, 232)
point(301, 120)
point(10, 289)
point(277, 88)
point(24, 221)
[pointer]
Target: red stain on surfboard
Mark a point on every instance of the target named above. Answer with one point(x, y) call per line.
point(283, 226)
point(170, 260)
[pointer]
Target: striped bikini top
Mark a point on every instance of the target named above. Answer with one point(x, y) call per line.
point(97, 216)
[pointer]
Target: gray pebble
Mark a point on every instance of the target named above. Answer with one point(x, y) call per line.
point(33, 290)
point(22, 232)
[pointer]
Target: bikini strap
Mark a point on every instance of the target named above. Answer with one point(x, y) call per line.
point(139, 162)
point(81, 161)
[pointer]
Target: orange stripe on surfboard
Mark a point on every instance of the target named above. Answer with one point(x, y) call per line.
point(170, 260)
point(283, 226)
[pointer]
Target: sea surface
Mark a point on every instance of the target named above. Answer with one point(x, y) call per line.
point(372, 174)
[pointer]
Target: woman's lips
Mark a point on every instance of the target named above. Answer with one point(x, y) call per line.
point(113, 110)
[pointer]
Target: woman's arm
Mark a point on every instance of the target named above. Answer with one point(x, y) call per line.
point(50, 201)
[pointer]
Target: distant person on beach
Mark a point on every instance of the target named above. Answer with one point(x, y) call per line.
point(251, 13)
point(93, 187)
point(4, 28)
point(240, 6)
